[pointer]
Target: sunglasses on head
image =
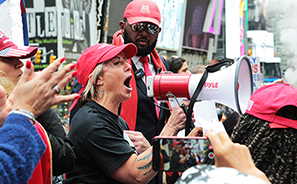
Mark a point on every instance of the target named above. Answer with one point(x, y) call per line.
point(151, 28)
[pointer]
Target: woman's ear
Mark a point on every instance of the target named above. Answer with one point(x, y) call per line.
point(91, 79)
point(99, 81)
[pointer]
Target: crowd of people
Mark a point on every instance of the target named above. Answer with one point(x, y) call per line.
point(113, 121)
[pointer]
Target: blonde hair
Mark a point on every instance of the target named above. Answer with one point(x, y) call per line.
point(90, 91)
point(7, 84)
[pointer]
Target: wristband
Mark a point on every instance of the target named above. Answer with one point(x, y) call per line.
point(24, 112)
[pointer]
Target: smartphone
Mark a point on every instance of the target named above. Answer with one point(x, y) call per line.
point(179, 153)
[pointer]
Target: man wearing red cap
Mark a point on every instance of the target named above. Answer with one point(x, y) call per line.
point(140, 25)
point(177, 159)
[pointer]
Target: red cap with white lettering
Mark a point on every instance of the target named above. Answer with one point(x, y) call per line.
point(142, 11)
point(268, 100)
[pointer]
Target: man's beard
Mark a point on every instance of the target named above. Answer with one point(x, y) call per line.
point(141, 52)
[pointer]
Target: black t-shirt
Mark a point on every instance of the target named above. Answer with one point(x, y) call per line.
point(99, 144)
point(174, 163)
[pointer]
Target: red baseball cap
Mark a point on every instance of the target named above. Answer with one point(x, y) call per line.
point(142, 11)
point(100, 53)
point(96, 54)
point(268, 100)
point(9, 49)
point(176, 143)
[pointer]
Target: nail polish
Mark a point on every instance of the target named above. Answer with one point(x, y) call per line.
point(28, 64)
point(73, 66)
point(63, 59)
point(74, 73)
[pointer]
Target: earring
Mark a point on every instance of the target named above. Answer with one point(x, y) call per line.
point(100, 93)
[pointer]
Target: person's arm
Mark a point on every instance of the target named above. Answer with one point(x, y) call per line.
point(184, 158)
point(172, 128)
point(139, 141)
point(20, 144)
point(229, 154)
point(138, 169)
point(62, 147)
point(41, 87)
point(176, 121)
point(20, 149)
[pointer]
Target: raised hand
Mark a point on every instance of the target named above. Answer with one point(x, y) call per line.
point(37, 94)
point(5, 106)
point(234, 155)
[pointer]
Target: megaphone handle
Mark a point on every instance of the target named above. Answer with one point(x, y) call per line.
point(186, 111)
point(193, 100)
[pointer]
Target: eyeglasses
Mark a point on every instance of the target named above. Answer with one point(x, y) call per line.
point(151, 28)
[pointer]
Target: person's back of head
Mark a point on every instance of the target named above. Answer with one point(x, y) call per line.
point(175, 63)
point(197, 69)
point(268, 128)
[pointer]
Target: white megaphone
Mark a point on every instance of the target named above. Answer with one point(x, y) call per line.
point(231, 86)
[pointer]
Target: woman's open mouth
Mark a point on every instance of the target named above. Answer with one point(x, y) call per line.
point(127, 82)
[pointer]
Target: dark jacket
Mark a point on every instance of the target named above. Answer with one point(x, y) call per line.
point(62, 148)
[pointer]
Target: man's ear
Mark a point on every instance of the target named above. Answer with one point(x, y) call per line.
point(122, 25)
point(160, 29)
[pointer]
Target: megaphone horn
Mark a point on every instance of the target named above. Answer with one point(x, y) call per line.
point(231, 86)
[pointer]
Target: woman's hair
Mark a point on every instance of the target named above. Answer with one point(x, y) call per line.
point(273, 150)
point(230, 122)
point(175, 63)
point(7, 84)
point(91, 89)
point(197, 69)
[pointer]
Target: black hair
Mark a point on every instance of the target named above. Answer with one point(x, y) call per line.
point(273, 150)
point(230, 122)
point(175, 63)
